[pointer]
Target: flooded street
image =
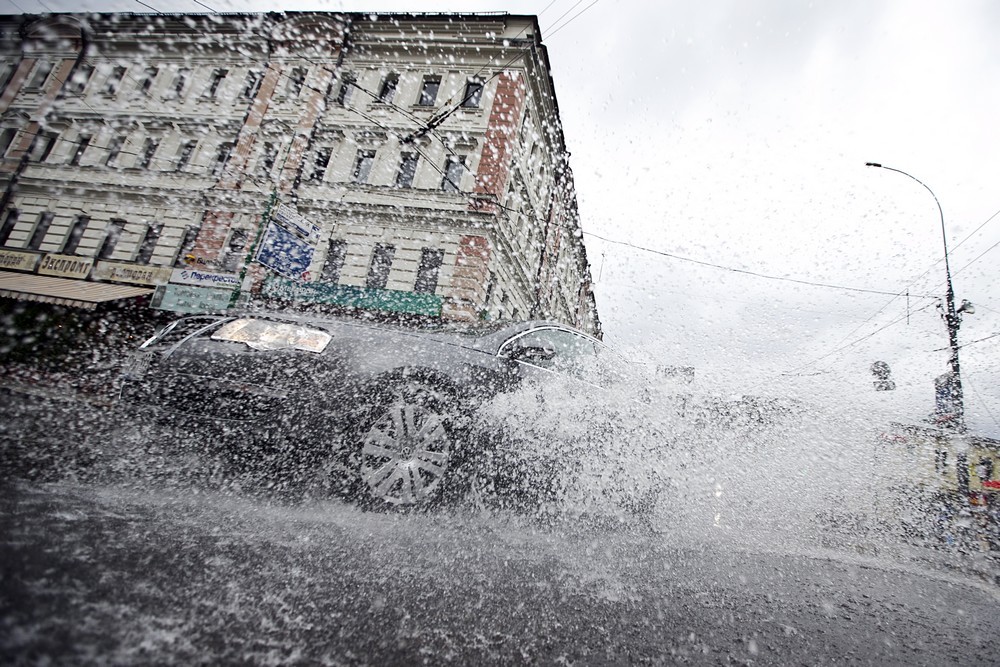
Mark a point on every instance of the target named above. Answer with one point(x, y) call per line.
point(102, 566)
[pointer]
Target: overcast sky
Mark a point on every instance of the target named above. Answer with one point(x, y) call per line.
point(735, 133)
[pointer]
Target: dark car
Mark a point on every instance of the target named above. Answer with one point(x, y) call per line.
point(385, 412)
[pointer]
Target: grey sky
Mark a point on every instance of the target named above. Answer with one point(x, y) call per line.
point(735, 133)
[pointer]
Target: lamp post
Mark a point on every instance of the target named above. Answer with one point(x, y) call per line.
point(951, 316)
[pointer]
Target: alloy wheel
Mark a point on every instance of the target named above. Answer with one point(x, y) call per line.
point(405, 454)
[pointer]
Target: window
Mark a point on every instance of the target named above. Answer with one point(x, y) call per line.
point(941, 460)
point(180, 81)
point(78, 81)
point(184, 154)
point(427, 273)
point(266, 162)
point(296, 79)
point(6, 139)
point(429, 91)
point(8, 225)
point(336, 254)
point(984, 470)
point(81, 147)
point(149, 243)
point(114, 148)
point(378, 272)
point(187, 245)
point(251, 85)
point(453, 170)
point(221, 158)
point(235, 250)
point(72, 242)
point(42, 146)
point(39, 76)
point(6, 71)
point(148, 151)
point(363, 166)
point(473, 94)
point(111, 236)
point(114, 81)
point(491, 283)
point(407, 170)
point(388, 89)
point(321, 160)
point(148, 77)
point(41, 229)
point(218, 76)
point(344, 93)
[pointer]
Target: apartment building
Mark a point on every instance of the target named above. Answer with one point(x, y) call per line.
point(398, 164)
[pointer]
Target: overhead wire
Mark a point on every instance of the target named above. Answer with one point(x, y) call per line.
point(982, 402)
point(561, 16)
point(798, 369)
point(752, 273)
point(550, 35)
point(927, 271)
point(971, 342)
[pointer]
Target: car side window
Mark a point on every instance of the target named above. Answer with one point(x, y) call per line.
point(554, 349)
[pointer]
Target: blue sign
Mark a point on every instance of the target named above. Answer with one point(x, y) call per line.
point(284, 252)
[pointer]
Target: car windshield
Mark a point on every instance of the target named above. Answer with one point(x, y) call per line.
point(379, 332)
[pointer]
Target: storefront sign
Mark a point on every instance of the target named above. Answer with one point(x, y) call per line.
point(19, 261)
point(132, 273)
point(186, 299)
point(68, 266)
point(387, 300)
point(204, 278)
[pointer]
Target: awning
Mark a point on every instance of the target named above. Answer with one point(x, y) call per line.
point(62, 291)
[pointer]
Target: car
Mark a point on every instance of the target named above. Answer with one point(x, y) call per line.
point(382, 413)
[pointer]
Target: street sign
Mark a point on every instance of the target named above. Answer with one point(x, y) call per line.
point(285, 253)
point(290, 219)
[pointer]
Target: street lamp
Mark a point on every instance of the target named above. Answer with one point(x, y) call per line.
point(951, 316)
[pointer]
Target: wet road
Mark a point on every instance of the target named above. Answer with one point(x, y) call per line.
point(163, 571)
point(116, 575)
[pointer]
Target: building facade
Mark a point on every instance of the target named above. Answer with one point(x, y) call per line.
point(407, 164)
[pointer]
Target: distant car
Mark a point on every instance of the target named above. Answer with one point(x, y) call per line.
point(383, 409)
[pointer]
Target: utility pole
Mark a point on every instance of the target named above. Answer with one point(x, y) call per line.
point(952, 318)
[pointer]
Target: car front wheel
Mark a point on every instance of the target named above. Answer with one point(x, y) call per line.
point(406, 450)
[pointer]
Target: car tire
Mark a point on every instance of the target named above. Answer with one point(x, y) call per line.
point(405, 447)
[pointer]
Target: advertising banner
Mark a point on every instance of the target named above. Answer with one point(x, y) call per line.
point(285, 253)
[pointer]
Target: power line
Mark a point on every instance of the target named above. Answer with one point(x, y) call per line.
point(912, 282)
point(971, 342)
point(981, 401)
point(571, 8)
point(148, 6)
point(573, 18)
point(979, 257)
point(752, 273)
point(852, 343)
